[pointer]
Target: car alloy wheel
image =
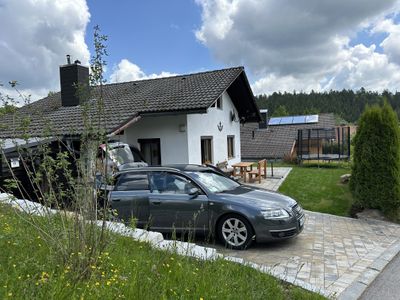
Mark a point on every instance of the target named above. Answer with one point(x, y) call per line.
point(235, 232)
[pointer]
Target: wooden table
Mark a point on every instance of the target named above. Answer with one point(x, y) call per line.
point(243, 169)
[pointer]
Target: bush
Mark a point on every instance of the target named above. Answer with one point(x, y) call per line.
point(375, 181)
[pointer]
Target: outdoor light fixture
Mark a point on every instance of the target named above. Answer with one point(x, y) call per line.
point(182, 127)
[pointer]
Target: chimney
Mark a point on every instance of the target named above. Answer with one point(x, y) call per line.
point(264, 118)
point(73, 76)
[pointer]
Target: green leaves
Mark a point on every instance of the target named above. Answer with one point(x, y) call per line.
point(375, 181)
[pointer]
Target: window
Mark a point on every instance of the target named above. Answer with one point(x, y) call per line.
point(132, 182)
point(231, 146)
point(218, 103)
point(206, 150)
point(167, 183)
point(151, 149)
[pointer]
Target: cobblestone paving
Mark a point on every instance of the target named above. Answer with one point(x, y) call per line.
point(330, 255)
point(272, 183)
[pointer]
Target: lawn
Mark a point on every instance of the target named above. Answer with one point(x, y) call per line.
point(127, 269)
point(319, 188)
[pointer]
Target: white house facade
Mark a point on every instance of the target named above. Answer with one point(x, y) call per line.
point(210, 137)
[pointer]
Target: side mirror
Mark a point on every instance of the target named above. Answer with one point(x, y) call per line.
point(194, 192)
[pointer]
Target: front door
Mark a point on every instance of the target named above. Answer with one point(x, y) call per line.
point(151, 150)
point(171, 206)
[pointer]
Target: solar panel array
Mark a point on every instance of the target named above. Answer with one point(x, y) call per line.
point(293, 120)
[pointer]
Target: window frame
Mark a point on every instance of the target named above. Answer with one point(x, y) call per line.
point(230, 141)
point(211, 158)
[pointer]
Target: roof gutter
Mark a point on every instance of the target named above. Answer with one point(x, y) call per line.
point(123, 127)
point(174, 112)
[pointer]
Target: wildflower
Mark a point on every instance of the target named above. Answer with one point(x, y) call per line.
point(97, 283)
point(9, 294)
point(108, 283)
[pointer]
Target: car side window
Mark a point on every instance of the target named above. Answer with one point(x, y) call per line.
point(169, 183)
point(132, 182)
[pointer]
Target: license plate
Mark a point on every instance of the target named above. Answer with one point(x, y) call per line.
point(301, 221)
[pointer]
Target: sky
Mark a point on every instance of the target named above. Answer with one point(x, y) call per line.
point(284, 45)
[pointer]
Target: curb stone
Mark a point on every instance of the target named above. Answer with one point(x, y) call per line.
point(357, 288)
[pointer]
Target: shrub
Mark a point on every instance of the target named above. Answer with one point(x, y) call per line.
point(375, 181)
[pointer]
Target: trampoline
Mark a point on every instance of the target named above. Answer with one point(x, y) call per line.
point(326, 144)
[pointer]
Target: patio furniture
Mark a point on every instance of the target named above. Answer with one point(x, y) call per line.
point(261, 171)
point(242, 166)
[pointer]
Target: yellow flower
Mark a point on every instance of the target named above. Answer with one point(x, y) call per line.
point(9, 294)
point(108, 283)
point(97, 283)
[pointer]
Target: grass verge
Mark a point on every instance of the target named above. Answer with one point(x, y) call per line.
point(127, 270)
point(319, 188)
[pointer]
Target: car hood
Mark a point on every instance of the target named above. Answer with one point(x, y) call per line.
point(258, 198)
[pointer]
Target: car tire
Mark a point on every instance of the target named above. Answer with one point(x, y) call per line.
point(235, 232)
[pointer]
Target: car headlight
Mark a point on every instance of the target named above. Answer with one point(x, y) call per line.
point(275, 213)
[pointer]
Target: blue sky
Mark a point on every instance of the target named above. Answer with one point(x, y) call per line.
point(284, 45)
point(157, 35)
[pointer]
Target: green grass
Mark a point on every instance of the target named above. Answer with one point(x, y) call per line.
point(127, 270)
point(319, 188)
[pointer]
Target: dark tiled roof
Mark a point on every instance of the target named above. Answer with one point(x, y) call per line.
point(124, 101)
point(275, 141)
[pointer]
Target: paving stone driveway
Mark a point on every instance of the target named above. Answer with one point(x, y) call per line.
point(330, 254)
point(336, 256)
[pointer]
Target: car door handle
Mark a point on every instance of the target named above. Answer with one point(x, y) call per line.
point(156, 202)
point(116, 200)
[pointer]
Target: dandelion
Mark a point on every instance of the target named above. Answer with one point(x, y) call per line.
point(108, 283)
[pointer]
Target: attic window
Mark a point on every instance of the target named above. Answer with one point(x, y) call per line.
point(218, 103)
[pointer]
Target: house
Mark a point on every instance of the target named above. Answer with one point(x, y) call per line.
point(193, 118)
point(278, 138)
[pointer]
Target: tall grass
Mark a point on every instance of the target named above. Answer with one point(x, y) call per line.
point(125, 270)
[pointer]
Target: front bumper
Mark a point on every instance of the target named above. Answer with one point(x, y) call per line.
point(270, 229)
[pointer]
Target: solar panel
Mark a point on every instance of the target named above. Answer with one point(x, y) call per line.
point(299, 119)
point(293, 120)
point(286, 121)
point(274, 121)
point(312, 119)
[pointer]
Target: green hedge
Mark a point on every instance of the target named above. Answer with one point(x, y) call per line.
point(375, 181)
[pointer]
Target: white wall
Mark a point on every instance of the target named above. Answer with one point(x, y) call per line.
point(173, 143)
point(206, 125)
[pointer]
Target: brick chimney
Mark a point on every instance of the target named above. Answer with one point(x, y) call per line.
point(72, 76)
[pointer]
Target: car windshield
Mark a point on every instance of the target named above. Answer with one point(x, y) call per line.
point(121, 155)
point(214, 182)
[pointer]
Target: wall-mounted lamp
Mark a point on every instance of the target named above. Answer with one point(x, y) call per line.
point(182, 127)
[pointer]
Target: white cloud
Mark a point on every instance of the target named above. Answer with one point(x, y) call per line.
point(35, 36)
point(391, 44)
point(302, 45)
point(128, 71)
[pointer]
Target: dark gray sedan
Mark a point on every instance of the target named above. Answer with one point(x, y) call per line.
point(192, 198)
